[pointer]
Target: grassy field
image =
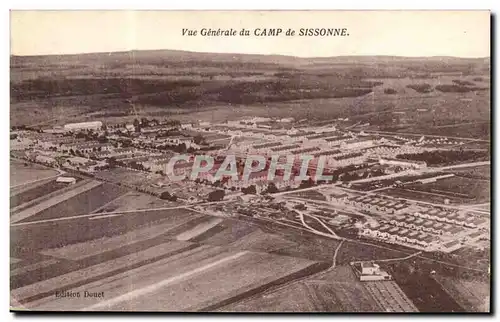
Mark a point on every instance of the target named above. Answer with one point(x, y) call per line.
point(151, 230)
point(22, 173)
point(457, 188)
point(134, 201)
point(421, 196)
point(83, 203)
point(480, 173)
point(126, 177)
point(360, 252)
point(473, 295)
point(422, 289)
point(335, 291)
point(190, 280)
point(144, 250)
point(36, 192)
point(390, 297)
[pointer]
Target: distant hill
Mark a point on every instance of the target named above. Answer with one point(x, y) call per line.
point(172, 80)
point(153, 56)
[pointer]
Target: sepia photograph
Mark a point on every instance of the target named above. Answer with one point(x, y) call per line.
point(250, 161)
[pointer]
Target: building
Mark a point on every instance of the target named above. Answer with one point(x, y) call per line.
point(20, 143)
point(369, 271)
point(369, 268)
point(356, 144)
point(337, 196)
point(96, 125)
point(83, 164)
point(403, 163)
point(68, 180)
point(45, 159)
point(434, 179)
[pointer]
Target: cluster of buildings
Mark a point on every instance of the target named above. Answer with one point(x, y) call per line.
point(86, 147)
point(391, 150)
point(425, 225)
point(449, 217)
point(377, 204)
point(43, 157)
point(83, 164)
point(338, 148)
point(403, 163)
point(400, 235)
point(427, 228)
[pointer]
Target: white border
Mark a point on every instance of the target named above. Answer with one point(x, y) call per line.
point(191, 5)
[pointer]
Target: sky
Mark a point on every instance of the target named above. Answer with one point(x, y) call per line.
point(398, 33)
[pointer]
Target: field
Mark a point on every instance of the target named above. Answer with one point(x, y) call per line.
point(157, 260)
point(337, 290)
point(127, 177)
point(134, 201)
point(188, 281)
point(480, 173)
point(54, 249)
point(473, 295)
point(390, 297)
point(462, 189)
point(359, 252)
point(419, 196)
point(422, 289)
point(78, 203)
point(36, 192)
point(150, 231)
point(144, 259)
point(23, 173)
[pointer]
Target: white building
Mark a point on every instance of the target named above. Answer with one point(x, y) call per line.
point(356, 144)
point(68, 180)
point(404, 163)
point(368, 271)
point(95, 125)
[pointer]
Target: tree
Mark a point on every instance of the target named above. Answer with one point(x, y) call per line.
point(81, 135)
point(250, 190)
point(300, 207)
point(165, 195)
point(199, 139)
point(144, 122)
point(216, 195)
point(112, 162)
point(307, 183)
point(271, 188)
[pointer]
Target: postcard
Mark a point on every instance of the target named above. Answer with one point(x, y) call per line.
point(250, 161)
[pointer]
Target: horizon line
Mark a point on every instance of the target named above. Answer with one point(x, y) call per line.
point(248, 54)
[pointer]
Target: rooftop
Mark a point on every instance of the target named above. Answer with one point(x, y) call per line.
point(368, 264)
